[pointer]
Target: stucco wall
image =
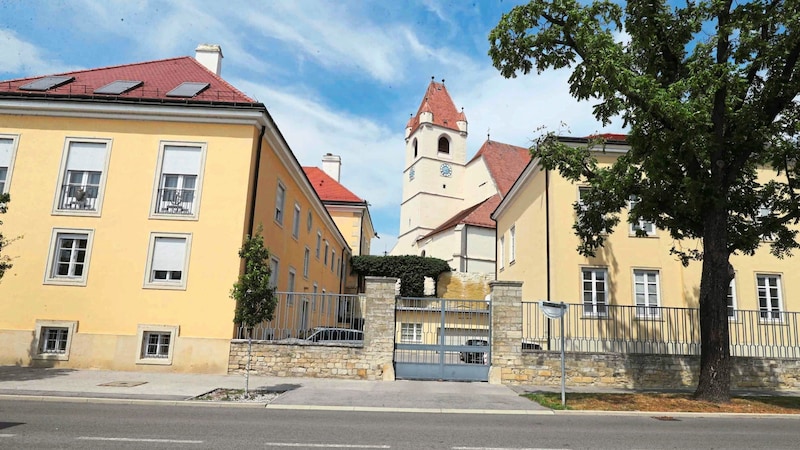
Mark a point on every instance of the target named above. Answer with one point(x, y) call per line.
point(461, 285)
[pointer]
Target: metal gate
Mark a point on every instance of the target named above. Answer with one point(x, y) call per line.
point(442, 339)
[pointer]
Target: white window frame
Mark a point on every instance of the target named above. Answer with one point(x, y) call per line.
point(333, 260)
point(306, 262)
point(768, 312)
point(280, 203)
point(142, 333)
point(39, 342)
point(309, 221)
point(149, 282)
point(648, 227)
point(644, 310)
point(512, 251)
point(501, 252)
point(319, 243)
point(275, 270)
point(62, 179)
point(598, 308)
point(10, 168)
point(325, 255)
point(765, 211)
point(291, 281)
point(296, 222)
point(198, 189)
point(732, 300)
point(55, 237)
point(411, 333)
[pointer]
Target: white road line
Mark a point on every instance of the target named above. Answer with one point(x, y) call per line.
point(7, 435)
point(160, 441)
point(300, 444)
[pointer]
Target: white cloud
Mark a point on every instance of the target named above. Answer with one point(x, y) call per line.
point(22, 57)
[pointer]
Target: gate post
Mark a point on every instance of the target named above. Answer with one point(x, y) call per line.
point(506, 330)
point(379, 326)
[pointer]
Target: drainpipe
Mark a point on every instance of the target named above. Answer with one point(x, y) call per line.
point(547, 240)
point(255, 182)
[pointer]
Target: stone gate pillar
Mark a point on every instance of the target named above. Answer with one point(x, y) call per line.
point(506, 330)
point(379, 325)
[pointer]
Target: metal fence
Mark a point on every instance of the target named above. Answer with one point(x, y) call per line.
point(658, 330)
point(299, 314)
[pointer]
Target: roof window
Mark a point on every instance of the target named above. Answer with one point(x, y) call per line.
point(188, 89)
point(118, 87)
point(43, 84)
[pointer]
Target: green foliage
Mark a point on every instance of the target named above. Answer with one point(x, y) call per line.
point(5, 261)
point(547, 399)
point(709, 92)
point(411, 270)
point(255, 297)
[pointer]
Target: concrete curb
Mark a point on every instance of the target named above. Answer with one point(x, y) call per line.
point(589, 412)
point(515, 412)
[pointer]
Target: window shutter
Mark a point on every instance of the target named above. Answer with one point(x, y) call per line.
point(181, 160)
point(86, 156)
point(169, 253)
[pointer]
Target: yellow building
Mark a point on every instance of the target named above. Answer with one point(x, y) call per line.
point(537, 245)
point(132, 188)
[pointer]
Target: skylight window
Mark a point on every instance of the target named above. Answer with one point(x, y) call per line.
point(188, 89)
point(43, 84)
point(118, 87)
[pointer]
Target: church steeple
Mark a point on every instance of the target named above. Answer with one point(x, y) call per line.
point(437, 108)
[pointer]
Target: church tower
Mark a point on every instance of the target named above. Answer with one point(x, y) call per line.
point(435, 160)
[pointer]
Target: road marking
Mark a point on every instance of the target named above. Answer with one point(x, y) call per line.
point(300, 444)
point(505, 448)
point(161, 441)
point(7, 435)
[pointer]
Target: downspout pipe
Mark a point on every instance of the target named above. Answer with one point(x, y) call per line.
point(255, 181)
point(547, 241)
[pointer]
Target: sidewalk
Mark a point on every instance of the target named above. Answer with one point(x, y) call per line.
point(299, 393)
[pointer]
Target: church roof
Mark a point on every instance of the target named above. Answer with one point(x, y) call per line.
point(150, 80)
point(328, 189)
point(478, 215)
point(438, 102)
point(504, 161)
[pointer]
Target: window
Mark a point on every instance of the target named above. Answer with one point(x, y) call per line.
point(68, 262)
point(595, 291)
point(157, 344)
point(179, 180)
point(319, 243)
point(296, 221)
point(168, 260)
point(8, 146)
point(290, 288)
point(274, 267)
point(411, 333)
point(640, 225)
point(82, 177)
point(306, 258)
point(414, 145)
point(280, 199)
point(765, 211)
point(325, 255)
point(54, 339)
point(769, 296)
point(512, 251)
point(501, 251)
point(646, 292)
point(333, 259)
point(444, 145)
point(732, 299)
point(309, 222)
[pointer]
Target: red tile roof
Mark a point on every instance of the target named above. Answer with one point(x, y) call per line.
point(159, 77)
point(478, 215)
point(504, 161)
point(438, 102)
point(609, 136)
point(328, 189)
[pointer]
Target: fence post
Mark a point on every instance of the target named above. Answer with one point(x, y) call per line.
point(379, 326)
point(506, 330)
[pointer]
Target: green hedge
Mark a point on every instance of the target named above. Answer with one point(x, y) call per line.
point(411, 270)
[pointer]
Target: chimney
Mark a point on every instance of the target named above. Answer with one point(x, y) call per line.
point(332, 165)
point(210, 56)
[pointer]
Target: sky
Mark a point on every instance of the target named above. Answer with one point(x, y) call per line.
point(337, 76)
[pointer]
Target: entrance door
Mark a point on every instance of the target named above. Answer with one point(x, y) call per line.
point(442, 339)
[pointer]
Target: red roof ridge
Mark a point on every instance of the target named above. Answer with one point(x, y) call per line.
point(328, 189)
point(438, 102)
point(96, 69)
point(478, 214)
point(505, 162)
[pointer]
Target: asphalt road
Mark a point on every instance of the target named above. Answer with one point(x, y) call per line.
point(31, 424)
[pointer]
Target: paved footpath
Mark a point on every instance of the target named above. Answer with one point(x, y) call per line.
point(299, 393)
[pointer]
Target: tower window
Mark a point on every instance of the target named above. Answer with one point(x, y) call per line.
point(444, 145)
point(415, 147)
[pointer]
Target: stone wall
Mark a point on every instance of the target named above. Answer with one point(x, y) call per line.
point(293, 358)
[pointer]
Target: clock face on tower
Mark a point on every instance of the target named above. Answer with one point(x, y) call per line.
point(446, 170)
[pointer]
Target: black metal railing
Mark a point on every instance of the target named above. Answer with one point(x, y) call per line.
point(77, 196)
point(300, 314)
point(659, 330)
point(175, 201)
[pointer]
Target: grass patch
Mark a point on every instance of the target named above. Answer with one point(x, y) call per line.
point(667, 403)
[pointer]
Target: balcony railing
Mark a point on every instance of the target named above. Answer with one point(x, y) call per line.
point(661, 330)
point(76, 196)
point(175, 201)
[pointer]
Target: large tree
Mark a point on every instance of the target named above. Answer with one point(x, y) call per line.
point(5, 261)
point(708, 91)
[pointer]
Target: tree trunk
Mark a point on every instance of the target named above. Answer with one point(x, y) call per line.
point(714, 383)
point(247, 368)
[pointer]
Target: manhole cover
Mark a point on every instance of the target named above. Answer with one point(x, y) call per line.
point(123, 383)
